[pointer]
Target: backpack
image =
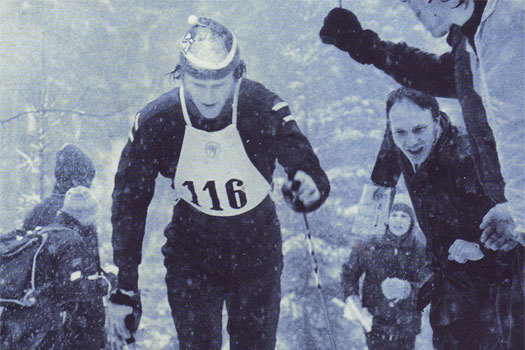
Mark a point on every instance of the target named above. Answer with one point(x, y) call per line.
point(19, 251)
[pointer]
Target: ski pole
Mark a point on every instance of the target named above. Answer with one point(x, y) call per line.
point(315, 265)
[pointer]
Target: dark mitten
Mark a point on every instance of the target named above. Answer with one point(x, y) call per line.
point(342, 29)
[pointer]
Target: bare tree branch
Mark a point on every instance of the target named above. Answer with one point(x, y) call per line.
point(56, 110)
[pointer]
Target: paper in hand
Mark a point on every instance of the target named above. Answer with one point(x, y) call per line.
point(373, 210)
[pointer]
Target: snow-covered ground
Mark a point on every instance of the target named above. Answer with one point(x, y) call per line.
point(78, 72)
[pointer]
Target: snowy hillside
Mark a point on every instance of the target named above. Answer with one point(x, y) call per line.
point(78, 71)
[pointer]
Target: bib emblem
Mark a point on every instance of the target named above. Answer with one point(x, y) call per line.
point(213, 149)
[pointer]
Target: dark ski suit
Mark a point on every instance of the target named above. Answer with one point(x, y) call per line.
point(212, 259)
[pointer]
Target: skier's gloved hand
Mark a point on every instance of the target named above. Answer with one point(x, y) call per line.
point(395, 289)
point(462, 251)
point(301, 192)
point(342, 29)
point(124, 310)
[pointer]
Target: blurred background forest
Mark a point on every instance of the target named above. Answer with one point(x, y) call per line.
point(77, 71)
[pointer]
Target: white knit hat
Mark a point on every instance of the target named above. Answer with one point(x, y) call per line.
point(80, 204)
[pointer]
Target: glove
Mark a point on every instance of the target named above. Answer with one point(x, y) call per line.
point(395, 289)
point(462, 251)
point(355, 312)
point(300, 192)
point(342, 29)
point(499, 229)
point(124, 310)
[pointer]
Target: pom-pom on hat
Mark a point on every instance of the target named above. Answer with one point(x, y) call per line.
point(80, 204)
point(208, 50)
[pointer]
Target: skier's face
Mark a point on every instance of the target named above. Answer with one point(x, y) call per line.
point(399, 222)
point(414, 130)
point(437, 15)
point(209, 95)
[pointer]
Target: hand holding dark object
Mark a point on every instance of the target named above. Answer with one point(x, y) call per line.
point(343, 30)
point(301, 192)
point(124, 311)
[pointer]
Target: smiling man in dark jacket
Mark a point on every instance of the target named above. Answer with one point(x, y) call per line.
point(450, 203)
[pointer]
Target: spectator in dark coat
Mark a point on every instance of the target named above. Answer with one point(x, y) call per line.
point(391, 264)
point(450, 203)
point(84, 325)
point(484, 71)
point(65, 273)
point(72, 168)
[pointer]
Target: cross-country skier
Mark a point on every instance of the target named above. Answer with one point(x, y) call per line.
point(217, 137)
point(392, 265)
point(450, 204)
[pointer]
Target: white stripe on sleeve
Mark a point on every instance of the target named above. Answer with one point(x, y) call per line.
point(136, 124)
point(279, 106)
